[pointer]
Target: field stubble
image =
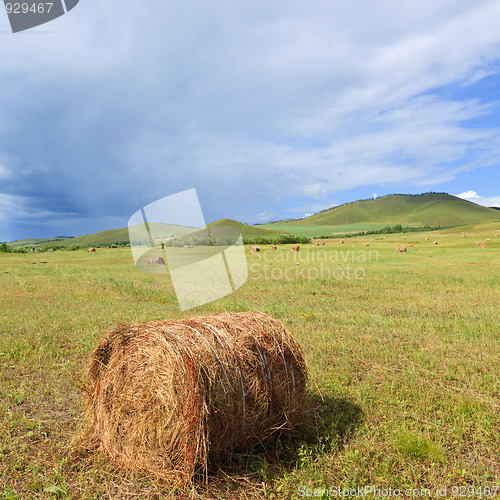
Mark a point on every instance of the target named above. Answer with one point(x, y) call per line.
point(404, 364)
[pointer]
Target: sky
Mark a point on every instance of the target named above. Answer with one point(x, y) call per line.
point(270, 110)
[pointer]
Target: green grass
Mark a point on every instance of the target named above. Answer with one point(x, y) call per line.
point(433, 209)
point(402, 349)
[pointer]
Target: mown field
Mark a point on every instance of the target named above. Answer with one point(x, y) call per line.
point(313, 231)
point(403, 350)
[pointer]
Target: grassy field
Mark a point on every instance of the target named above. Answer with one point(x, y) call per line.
point(313, 231)
point(402, 348)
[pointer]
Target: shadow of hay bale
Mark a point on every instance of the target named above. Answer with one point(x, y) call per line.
point(328, 425)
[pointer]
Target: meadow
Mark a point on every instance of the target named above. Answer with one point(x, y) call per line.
point(403, 352)
point(314, 231)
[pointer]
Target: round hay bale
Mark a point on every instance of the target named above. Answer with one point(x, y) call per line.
point(168, 396)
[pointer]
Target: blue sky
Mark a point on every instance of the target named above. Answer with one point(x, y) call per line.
point(269, 109)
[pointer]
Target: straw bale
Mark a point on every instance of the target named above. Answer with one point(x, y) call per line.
point(168, 397)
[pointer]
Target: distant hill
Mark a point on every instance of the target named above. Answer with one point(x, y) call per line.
point(247, 231)
point(38, 241)
point(432, 209)
point(122, 235)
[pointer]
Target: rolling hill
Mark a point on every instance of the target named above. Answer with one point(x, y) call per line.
point(122, 235)
point(248, 231)
point(432, 209)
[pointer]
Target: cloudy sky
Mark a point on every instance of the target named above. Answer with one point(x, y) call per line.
point(270, 109)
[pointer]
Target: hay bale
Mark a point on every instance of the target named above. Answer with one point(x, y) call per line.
point(367, 244)
point(487, 240)
point(254, 248)
point(411, 246)
point(274, 247)
point(341, 242)
point(483, 245)
point(295, 248)
point(400, 248)
point(168, 396)
point(316, 243)
point(322, 242)
point(91, 249)
point(434, 242)
point(156, 260)
point(426, 239)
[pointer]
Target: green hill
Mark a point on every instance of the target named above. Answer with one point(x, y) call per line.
point(58, 240)
point(432, 209)
point(247, 231)
point(94, 239)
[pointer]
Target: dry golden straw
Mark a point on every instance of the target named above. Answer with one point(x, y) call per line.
point(168, 396)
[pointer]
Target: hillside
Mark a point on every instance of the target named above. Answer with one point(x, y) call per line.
point(432, 209)
point(38, 241)
point(247, 231)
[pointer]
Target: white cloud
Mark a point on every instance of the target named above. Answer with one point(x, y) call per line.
point(468, 195)
point(491, 201)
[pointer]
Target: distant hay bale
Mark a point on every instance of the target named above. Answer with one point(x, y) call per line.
point(273, 247)
point(404, 237)
point(367, 244)
point(464, 236)
point(316, 243)
point(91, 249)
point(411, 246)
point(254, 248)
point(426, 239)
point(188, 246)
point(400, 248)
point(295, 248)
point(324, 242)
point(483, 245)
point(341, 242)
point(487, 240)
point(156, 260)
point(434, 242)
point(476, 243)
point(167, 397)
